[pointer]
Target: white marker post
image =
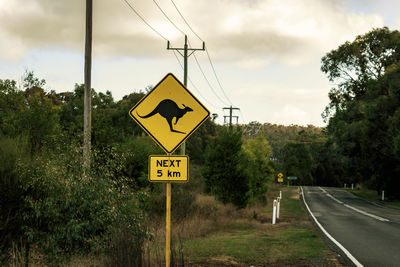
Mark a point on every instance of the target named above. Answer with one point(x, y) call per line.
point(274, 213)
point(280, 194)
point(344, 185)
point(352, 186)
point(278, 207)
point(383, 195)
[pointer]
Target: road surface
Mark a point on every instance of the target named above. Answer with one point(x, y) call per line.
point(367, 234)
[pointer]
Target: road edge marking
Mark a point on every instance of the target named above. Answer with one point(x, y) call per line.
point(340, 246)
point(354, 208)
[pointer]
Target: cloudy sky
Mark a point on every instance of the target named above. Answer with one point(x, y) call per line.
point(266, 53)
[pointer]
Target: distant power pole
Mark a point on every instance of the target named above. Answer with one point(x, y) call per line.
point(230, 116)
point(87, 116)
point(185, 56)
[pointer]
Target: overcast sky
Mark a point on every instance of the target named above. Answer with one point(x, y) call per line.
point(266, 53)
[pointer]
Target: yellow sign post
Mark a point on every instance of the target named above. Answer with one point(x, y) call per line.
point(169, 113)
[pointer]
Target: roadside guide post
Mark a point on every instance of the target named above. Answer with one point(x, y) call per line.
point(278, 207)
point(383, 195)
point(274, 213)
point(280, 194)
point(158, 113)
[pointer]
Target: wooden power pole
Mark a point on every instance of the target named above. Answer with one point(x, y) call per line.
point(87, 121)
point(230, 116)
point(185, 56)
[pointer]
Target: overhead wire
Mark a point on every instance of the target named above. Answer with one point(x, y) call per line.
point(162, 11)
point(141, 17)
point(216, 77)
point(183, 18)
point(195, 87)
point(208, 54)
point(197, 62)
point(208, 82)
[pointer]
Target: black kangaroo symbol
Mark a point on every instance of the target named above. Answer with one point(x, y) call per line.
point(169, 110)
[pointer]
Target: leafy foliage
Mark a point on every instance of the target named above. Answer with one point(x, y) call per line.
point(363, 112)
point(260, 168)
point(224, 169)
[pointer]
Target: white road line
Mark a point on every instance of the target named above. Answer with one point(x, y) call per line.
point(367, 214)
point(345, 251)
point(353, 208)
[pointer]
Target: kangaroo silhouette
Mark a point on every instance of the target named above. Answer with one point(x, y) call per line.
point(168, 109)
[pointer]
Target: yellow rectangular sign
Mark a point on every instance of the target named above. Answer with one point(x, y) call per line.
point(280, 180)
point(164, 168)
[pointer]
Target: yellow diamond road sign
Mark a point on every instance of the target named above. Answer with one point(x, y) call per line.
point(169, 113)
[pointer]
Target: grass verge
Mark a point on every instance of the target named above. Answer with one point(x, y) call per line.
point(371, 195)
point(293, 241)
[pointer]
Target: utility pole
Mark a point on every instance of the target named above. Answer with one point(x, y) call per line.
point(87, 116)
point(185, 56)
point(230, 115)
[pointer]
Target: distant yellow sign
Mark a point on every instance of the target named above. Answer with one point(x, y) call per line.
point(280, 175)
point(280, 180)
point(169, 168)
point(169, 113)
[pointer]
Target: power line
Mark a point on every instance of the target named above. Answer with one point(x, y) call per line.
point(208, 55)
point(243, 118)
point(216, 77)
point(195, 87)
point(208, 82)
point(137, 13)
point(183, 18)
point(162, 11)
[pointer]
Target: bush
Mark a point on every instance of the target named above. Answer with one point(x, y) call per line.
point(224, 169)
point(71, 213)
point(12, 192)
point(137, 150)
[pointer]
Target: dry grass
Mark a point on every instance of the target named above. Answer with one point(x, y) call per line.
point(212, 218)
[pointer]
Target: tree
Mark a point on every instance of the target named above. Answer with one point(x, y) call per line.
point(258, 153)
point(224, 169)
point(363, 107)
point(354, 64)
point(298, 162)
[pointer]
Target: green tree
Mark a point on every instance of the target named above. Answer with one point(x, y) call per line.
point(363, 107)
point(224, 169)
point(12, 191)
point(298, 162)
point(258, 153)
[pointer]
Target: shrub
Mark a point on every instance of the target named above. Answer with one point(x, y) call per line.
point(71, 213)
point(224, 169)
point(12, 194)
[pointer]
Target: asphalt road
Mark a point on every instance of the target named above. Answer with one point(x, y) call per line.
point(369, 234)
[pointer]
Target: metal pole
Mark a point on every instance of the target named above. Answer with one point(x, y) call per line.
point(230, 117)
point(168, 226)
point(87, 124)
